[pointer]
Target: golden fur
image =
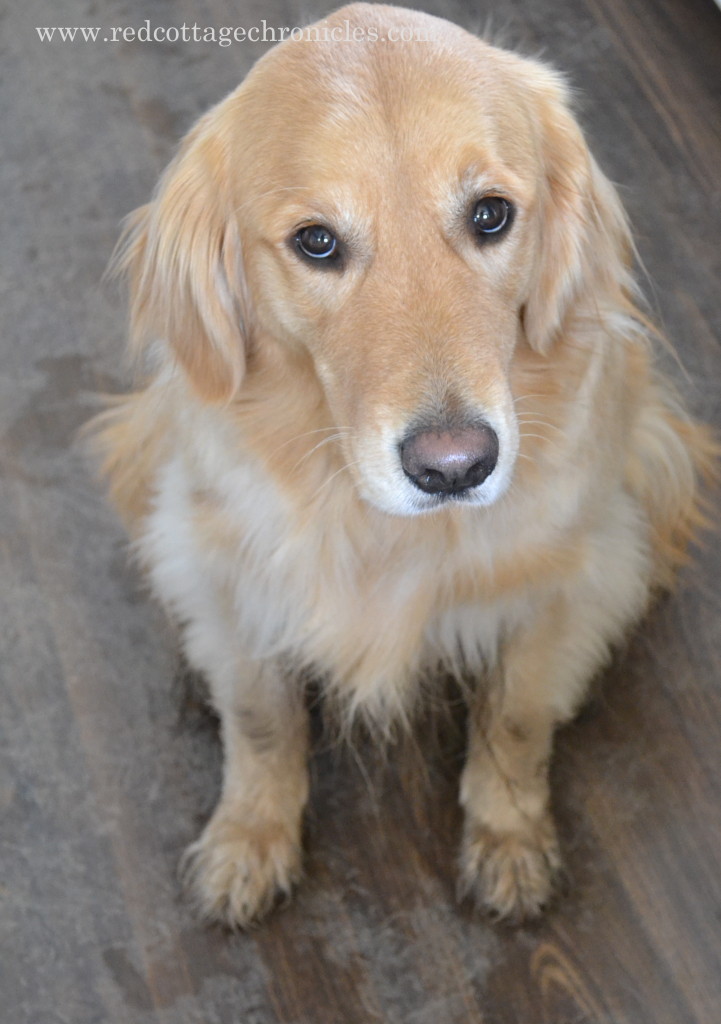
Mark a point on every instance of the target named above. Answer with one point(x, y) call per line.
point(258, 468)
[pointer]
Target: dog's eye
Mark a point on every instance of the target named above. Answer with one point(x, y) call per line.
point(491, 216)
point(317, 243)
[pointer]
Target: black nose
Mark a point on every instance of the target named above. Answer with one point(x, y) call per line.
point(450, 461)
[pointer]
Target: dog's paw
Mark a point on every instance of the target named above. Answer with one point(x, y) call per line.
point(238, 870)
point(511, 876)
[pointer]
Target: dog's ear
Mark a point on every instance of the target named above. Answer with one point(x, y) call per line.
point(182, 255)
point(585, 245)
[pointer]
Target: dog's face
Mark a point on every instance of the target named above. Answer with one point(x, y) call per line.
point(397, 247)
point(413, 215)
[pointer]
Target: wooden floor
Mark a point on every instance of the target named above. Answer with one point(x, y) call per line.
point(108, 763)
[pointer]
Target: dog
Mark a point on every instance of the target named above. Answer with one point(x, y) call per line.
point(399, 416)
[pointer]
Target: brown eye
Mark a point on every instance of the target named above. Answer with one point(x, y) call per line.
point(491, 217)
point(316, 242)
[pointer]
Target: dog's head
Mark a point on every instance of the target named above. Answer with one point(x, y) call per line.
point(410, 207)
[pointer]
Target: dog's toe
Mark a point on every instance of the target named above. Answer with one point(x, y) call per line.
point(238, 871)
point(511, 877)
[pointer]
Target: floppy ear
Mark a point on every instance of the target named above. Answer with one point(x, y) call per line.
point(182, 255)
point(585, 242)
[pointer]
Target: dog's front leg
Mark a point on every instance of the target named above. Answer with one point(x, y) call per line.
point(510, 859)
point(250, 851)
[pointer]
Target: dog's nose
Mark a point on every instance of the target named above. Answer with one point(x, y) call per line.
point(450, 461)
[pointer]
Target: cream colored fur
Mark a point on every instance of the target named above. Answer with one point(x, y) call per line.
point(258, 466)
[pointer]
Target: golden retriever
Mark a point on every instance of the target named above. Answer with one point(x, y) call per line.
point(399, 417)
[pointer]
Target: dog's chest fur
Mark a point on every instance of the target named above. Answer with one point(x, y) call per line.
point(369, 601)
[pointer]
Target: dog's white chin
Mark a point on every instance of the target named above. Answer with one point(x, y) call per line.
point(405, 499)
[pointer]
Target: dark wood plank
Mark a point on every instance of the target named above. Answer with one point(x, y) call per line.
point(110, 765)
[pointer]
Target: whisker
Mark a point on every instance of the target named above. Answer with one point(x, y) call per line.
point(541, 437)
point(326, 440)
point(523, 398)
point(331, 478)
point(306, 433)
point(541, 423)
